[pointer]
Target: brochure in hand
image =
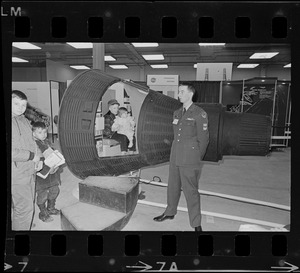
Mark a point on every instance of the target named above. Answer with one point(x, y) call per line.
point(53, 159)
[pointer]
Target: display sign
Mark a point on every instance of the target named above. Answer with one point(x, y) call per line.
point(162, 80)
point(166, 84)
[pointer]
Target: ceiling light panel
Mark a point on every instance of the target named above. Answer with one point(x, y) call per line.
point(263, 55)
point(153, 57)
point(145, 44)
point(79, 67)
point(247, 65)
point(109, 58)
point(81, 45)
point(211, 44)
point(288, 65)
point(118, 66)
point(18, 60)
point(159, 65)
point(22, 45)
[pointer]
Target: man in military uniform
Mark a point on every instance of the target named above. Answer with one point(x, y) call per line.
point(191, 137)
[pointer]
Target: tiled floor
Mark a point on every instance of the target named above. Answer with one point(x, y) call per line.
point(254, 177)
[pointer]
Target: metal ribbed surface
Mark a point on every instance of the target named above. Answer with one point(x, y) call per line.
point(155, 134)
point(255, 133)
point(76, 128)
point(246, 134)
point(230, 133)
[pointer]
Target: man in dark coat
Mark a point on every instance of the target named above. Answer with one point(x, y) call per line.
point(191, 137)
point(109, 117)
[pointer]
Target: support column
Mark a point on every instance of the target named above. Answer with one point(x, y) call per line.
point(142, 74)
point(263, 71)
point(98, 56)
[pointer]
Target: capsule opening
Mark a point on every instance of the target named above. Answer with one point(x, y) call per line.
point(128, 97)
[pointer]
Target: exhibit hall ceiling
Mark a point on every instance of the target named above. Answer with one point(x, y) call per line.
point(174, 54)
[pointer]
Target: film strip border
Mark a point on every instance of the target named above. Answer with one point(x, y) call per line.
point(273, 22)
point(162, 21)
point(95, 27)
point(141, 252)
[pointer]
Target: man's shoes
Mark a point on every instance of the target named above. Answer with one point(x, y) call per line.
point(163, 217)
point(199, 228)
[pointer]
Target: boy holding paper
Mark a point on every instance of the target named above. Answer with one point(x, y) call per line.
point(47, 179)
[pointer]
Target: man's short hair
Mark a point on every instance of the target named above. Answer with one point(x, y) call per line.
point(19, 94)
point(189, 87)
point(38, 124)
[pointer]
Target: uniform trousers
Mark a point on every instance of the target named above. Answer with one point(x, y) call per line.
point(22, 203)
point(185, 178)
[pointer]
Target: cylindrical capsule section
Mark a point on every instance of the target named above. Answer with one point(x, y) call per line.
point(230, 133)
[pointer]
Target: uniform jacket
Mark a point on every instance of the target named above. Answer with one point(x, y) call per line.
point(191, 136)
point(109, 118)
point(22, 144)
point(51, 179)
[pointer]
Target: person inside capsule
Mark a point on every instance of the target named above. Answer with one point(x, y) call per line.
point(111, 133)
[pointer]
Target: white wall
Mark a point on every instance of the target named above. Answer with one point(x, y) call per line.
point(31, 74)
point(185, 73)
point(245, 73)
point(278, 71)
point(269, 71)
point(59, 72)
point(131, 73)
point(189, 73)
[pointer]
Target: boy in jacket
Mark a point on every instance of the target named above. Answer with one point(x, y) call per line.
point(46, 188)
point(25, 157)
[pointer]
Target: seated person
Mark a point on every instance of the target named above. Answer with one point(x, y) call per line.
point(124, 124)
point(108, 131)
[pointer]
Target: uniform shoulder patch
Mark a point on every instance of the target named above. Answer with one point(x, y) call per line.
point(203, 113)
